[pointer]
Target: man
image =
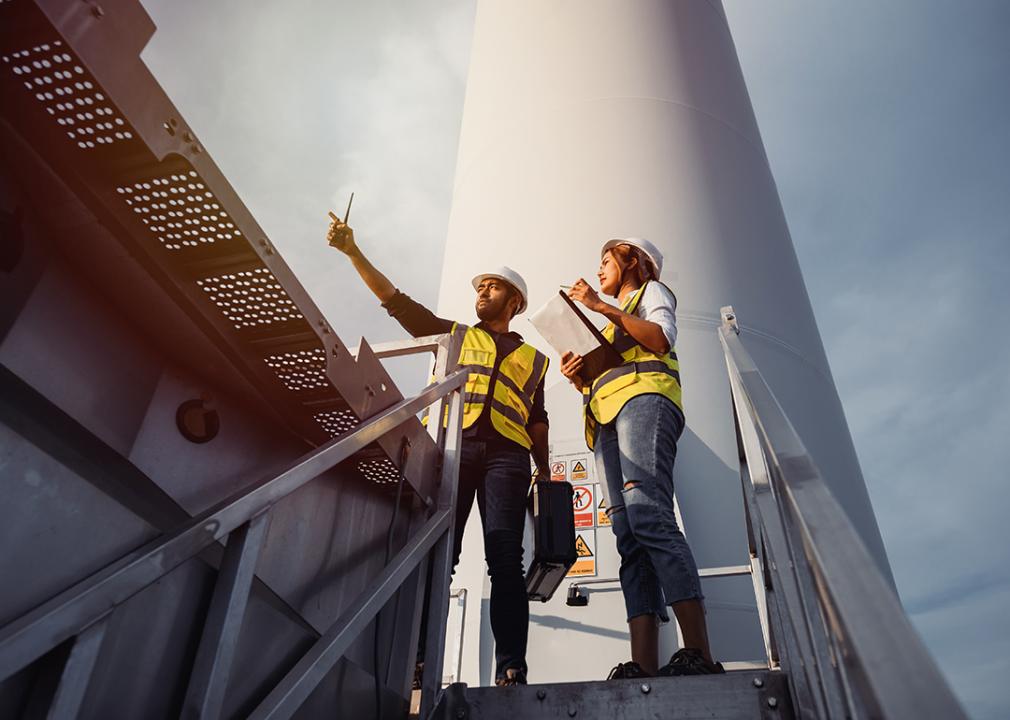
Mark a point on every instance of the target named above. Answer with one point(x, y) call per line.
point(504, 420)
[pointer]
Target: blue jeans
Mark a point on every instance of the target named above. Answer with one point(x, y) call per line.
point(498, 475)
point(634, 457)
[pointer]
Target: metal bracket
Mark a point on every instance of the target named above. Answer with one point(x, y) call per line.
point(452, 704)
point(729, 319)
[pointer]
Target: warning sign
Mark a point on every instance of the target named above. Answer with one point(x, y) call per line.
point(582, 504)
point(559, 470)
point(585, 548)
point(602, 519)
point(579, 470)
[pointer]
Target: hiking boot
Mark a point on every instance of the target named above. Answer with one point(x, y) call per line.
point(627, 670)
point(690, 661)
point(513, 676)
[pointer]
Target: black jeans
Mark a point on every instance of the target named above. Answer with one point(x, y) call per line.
point(498, 475)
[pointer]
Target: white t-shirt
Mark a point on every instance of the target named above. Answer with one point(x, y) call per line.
point(659, 305)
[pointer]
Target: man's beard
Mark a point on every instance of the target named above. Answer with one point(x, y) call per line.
point(488, 311)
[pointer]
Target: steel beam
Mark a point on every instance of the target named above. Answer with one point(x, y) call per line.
point(743, 695)
point(76, 675)
point(212, 668)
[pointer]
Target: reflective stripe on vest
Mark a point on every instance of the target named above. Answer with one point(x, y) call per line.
point(643, 372)
point(519, 374)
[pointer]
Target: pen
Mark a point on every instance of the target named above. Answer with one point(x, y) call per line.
point(346, 214)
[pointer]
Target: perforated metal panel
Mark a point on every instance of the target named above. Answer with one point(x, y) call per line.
point(300, 369)
point(380, 471)
point(250, 297)
point(179, 210)
point(65, 72)
point(56, 78)
point(337, 422)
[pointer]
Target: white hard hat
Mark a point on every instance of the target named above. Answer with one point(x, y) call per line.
point(651, 251)
point(511, 277)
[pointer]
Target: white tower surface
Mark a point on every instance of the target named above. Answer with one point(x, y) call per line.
point(587, 120)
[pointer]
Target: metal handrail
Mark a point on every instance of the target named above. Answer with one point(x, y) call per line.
point(829, 614)
point(82, 610)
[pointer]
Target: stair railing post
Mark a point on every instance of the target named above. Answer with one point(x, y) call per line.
point(758, 562)
point(209, 678)
point(441, 571)
point(77, 670)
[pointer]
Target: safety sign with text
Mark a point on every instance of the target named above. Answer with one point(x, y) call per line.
point(582, 505)
point(602, 519)
point(585, 547)
point(579, 471)
point(559, 470)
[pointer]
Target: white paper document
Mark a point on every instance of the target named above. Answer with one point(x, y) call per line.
point(558, 324)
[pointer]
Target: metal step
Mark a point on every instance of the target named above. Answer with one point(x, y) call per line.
point(742, 695)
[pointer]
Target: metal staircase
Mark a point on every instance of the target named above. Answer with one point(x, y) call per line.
point(106, 186)
point(259, 603)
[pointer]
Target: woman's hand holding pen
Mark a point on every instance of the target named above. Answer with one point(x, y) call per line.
point(571, 364)
point(584, 294)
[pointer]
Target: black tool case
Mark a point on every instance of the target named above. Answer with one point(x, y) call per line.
point(554, 538)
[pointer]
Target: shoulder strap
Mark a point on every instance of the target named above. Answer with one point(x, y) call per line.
point(621, 338)
point(636, 298)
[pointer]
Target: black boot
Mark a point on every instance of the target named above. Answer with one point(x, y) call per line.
point(627, 670)
point(690, 661)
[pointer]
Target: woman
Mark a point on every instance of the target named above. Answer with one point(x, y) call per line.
point(634, 417)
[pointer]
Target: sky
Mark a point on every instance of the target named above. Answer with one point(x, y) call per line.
point(887, 126)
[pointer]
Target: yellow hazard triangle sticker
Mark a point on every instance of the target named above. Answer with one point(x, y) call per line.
point(582, 547)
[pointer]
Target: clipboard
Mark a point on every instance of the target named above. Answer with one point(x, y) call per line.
point(602, 357)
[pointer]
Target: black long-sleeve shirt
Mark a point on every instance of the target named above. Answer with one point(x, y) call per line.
point(418, 320)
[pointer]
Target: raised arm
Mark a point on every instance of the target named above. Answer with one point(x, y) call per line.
point(341, 236)
point(413, 317)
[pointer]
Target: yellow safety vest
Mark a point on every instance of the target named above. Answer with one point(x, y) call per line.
point(643, 372)
point(519, 374)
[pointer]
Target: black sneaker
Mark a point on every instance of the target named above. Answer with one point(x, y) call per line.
point(627, 670)
point(689, 661)
point(513, 676)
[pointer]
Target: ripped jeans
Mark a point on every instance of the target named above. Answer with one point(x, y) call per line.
point(634, 461)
